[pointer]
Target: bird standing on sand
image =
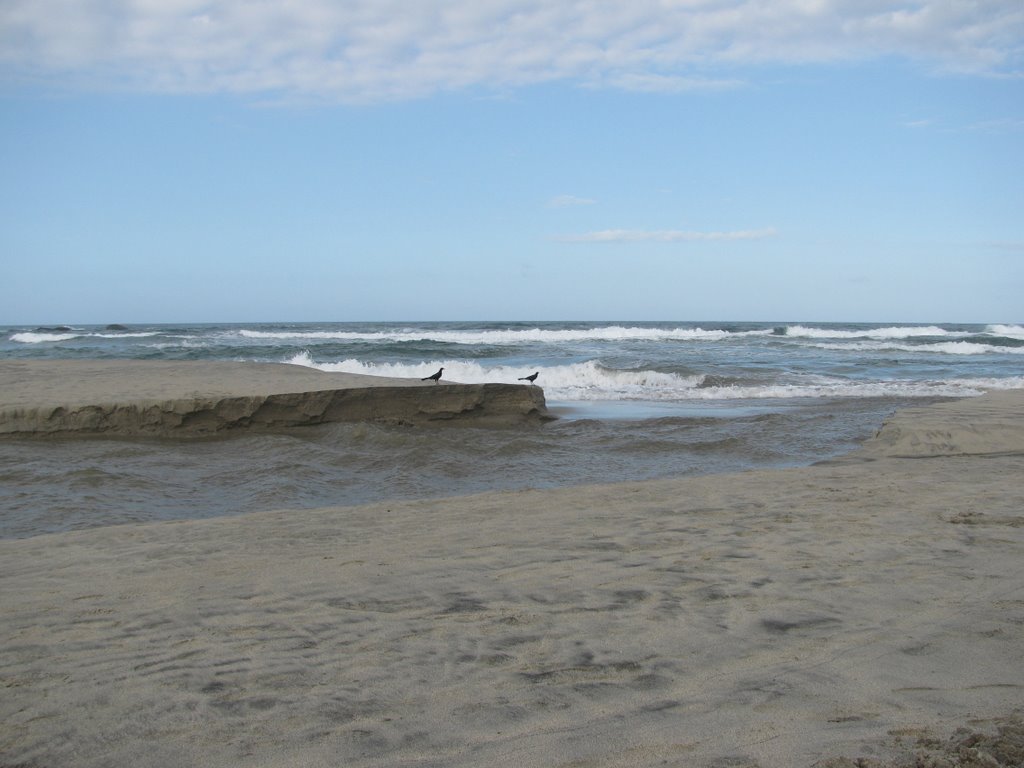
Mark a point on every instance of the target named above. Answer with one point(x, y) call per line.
point(531, 378)
point(435, 378)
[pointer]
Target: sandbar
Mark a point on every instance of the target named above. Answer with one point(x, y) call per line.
point(187, 398)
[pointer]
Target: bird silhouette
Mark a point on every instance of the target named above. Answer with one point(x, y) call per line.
point(531, 378)
point(435, 378)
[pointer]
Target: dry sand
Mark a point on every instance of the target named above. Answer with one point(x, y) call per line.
point(779, 618)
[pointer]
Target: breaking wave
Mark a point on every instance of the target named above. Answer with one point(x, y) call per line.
point(43, 337)
point(940, 348)
point(39, 337)
point(512, 336)
point(618, 333)
point(894, 332)
point(591, 381)
point(1007, 331)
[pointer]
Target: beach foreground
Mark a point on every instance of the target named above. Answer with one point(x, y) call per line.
point(863, 608)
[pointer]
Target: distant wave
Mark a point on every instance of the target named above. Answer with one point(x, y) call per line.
point(618, 333)
point(893, 332)
point(504, 337)
point(43, 337)
point(38, 337)
point(941, 348)
point(538, 335)
point(1008, 331)
point(590, 381)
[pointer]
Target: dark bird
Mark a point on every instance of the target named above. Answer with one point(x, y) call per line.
point(531, 378)
point(435, 378)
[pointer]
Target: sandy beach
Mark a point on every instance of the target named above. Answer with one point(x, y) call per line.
point(862, 609)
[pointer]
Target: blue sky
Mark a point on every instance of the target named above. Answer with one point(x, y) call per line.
point(218, 160)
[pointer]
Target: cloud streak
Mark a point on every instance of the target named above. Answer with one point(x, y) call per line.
point(665, 236)
point(374, 50)
point(569, 201)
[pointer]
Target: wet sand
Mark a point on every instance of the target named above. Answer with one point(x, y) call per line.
point(856, 609)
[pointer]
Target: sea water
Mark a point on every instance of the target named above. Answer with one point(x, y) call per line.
point(635, 400)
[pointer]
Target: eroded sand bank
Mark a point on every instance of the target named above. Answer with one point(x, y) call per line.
point(180, 398)
point(777, 618)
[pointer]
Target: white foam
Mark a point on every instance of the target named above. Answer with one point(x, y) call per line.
point(1009, 331)
point(508, 337)
point(578, 381)
point(941, 347)
point(893, 332)
point(848, 389)
point(317, 335)
point(590, 381)
point(617, 333)
point(579, 377)
point(37, 337)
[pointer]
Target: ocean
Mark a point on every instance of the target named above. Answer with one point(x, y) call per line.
point(635, 401)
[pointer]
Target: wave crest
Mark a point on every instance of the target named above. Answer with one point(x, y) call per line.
point(39, 337)
point(1007, 331)
point(591, 381)
point(893, 332)
point(43, 337)
point(937, 348)
point(513, 336)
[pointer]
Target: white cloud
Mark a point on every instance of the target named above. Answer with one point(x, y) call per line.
point(664, 236)
point(1006, 125)
point(648, 82)
point(1001, 126)
point(365, 50)
point(568, 201)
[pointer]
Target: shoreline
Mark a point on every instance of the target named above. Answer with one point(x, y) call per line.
point(187, 398)
point(770, 618)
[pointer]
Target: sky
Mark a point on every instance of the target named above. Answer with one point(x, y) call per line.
point(376, 160)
